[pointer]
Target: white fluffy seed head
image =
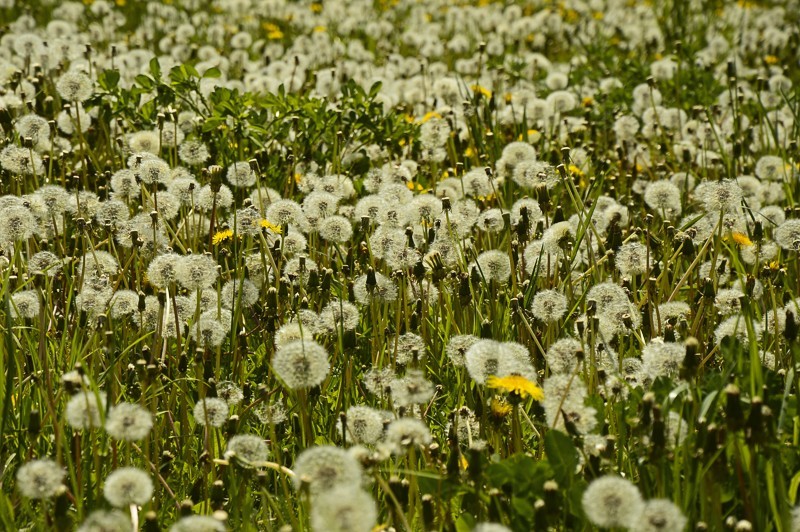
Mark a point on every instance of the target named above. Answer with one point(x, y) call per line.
point(40, 479)
point(326, 467)
point(126, 486)
point(129, 422)
point(301, 364)
point(211, 411)
point(612, 501)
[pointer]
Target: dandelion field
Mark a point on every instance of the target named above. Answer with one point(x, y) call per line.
point(399, 265)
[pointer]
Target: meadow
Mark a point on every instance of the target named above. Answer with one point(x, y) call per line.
point(399, 265)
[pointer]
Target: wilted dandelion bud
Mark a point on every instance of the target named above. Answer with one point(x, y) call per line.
point(612, 501)
point(734, 414)
point(126, 486)
point(40, 479)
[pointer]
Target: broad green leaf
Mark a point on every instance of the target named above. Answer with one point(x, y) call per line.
point(562, 456)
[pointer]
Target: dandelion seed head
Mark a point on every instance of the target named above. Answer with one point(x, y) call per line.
point(326, 467)
point(209, 330)
point(25, 304)
point(129, 422)
point(163, 270)
point(549, 306)
point(632, 258)
point(494, 265)
point(476, 183)
point(113, 211)
point(236, 292)
point(249, 448)
point(193, 152)
point(205, 199)
point(144, 142)
point(240, 175)
point(74, 86)
point(406, 345)
point(664, 198)
point(407, 432)
point(198, 523)
point(34, 127)
point(612, 501)
point(195, 272)
point(263, 197)
point(563, 355)
point(271, 414)
point(153, 171)
point(40, 479)
point(44, 262)
point(17, 223)
point(786, 235)
point(230, 392)
point(659, 515)
point(106, 521)
point(771, 168)
point(720, 196)
point(662, 359)
point(124, 185)
point(344, 510)
point(84, 410)
point(458, 346)
point(286, 211)
point(364, 425)
point(491, 221)
point(513, 154)
point(729, 301)
point(384, 290)
point(301, 364)
point(336, 229)
point(126, 486)
point(211, 411)
point(412, 389)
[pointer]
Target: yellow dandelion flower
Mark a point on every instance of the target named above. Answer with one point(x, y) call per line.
point(574, 170)
point(271, 226)
point(499, 408)
point(486, 93)
point(222, 236)
point(741, 239)
point(428, 116)
point(516, 384)
point(771, 60)
point(588, 101)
